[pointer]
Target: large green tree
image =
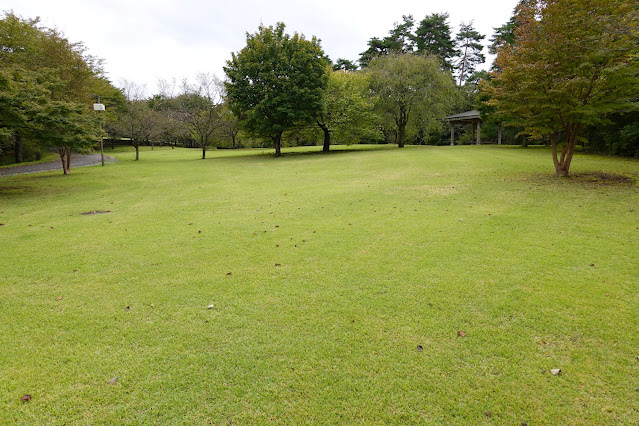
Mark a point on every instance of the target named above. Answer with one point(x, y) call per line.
point(410, 87)
point(399, 40)
point(42, 61)
point(573, 62)
point(276, 81)
point(348, 109)
point(433, 36)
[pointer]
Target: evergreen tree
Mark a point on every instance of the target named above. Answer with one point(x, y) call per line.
point(468, 42)
point(433, 36)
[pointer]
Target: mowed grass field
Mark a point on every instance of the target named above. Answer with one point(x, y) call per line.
point(422, 285)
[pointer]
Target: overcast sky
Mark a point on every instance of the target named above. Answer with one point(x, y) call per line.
point(147, 40)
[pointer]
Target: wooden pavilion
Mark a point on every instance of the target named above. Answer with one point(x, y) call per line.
point(468, 117)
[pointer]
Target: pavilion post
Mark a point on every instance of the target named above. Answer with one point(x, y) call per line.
point(452, 134)
point(478, 132)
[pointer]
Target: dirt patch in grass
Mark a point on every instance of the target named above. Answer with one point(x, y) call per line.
point(12, 189)
point(604, 178)
point(95, 212)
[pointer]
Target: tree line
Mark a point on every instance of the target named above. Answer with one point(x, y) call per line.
point(565, 74)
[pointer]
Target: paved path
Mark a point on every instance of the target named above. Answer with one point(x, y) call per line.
point(77, 160)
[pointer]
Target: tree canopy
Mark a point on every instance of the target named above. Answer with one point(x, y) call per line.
point(409, 87)
point(572, 63)
point(433, 36)
point(276, 81)
point(47, 83)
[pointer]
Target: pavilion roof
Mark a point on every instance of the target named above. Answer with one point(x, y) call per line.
point(464, 116)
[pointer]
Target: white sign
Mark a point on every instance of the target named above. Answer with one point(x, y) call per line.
point(98, 107)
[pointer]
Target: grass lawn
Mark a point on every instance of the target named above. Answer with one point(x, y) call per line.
point(422, 285)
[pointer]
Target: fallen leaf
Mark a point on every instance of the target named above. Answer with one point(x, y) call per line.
point(199, 232)
point(592, 264)
point(58, 298)
point(128, 308)
point(152, 305)
point(75, 270)
point(25, 398)
point(555, 371)
point(278, 264)
point(420, 348)
point(461, 333)
point(113, 380)
point(488, 414)
point(230, 273)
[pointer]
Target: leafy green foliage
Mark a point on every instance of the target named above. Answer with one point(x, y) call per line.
point(348, 110)
point(344, 65)
point(276, 81)
point(410, 89)
point(399, 40)
point(44, 73)
point(433, 36)
point(573, 62)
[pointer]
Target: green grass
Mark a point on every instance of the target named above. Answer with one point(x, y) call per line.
point(340, 266)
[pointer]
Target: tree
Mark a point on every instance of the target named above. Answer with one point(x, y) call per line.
point(344, 65)
point(348, 110)
point(231, 127)
point(275, 82)
point(399, 40)
point(199, 108)
point(409, 86)
point(433, 37)
point(573, 63)
point(470, 50)
point(68, 127)
point(44, 65)
point(21, 99)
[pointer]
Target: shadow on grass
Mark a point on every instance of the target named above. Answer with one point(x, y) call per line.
point(269, 153)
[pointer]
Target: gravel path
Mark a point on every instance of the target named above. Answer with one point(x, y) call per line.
point(77, 160)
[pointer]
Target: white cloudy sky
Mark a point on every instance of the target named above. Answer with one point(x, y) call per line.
point(147, 40)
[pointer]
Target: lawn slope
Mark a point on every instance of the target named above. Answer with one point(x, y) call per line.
point(426, 285)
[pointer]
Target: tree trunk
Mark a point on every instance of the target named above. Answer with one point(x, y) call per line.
point(203, 152)
point(277, 144)
point(400, 135)
point(65, 157)
point(137, 152)
point(327, 136)
point(561, 167)
point(463, 66)
point(17, 147)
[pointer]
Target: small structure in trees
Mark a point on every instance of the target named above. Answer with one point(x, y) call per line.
point(468, 117)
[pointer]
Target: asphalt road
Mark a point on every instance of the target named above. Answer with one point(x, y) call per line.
point(77, 160)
